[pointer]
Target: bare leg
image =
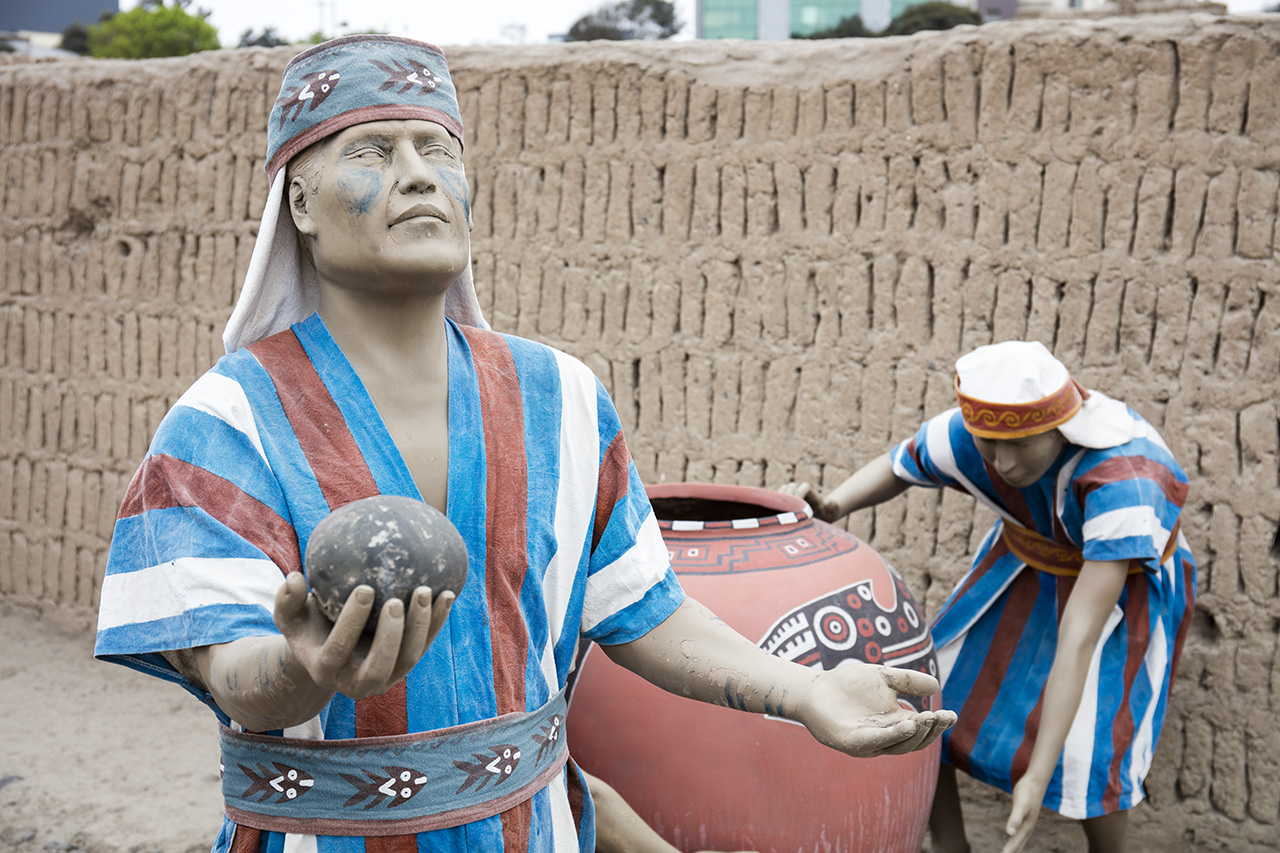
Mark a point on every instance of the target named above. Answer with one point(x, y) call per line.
point(946, 821)
point(1106, 833)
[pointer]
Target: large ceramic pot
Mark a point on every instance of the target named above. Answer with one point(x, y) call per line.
point(707, 777)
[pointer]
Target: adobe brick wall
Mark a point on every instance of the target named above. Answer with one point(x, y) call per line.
point(770, 253)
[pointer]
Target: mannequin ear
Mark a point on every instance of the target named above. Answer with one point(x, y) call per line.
point(298, 195)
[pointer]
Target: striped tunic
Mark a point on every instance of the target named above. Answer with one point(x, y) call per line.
point(561, 539)
point(998, 631)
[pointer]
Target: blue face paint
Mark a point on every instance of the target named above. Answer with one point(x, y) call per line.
point(360, 189)
point(455, 184)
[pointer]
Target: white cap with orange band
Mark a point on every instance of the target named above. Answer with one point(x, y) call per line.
point(1017, 389)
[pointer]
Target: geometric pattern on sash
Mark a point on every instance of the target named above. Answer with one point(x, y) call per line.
point(395, 784)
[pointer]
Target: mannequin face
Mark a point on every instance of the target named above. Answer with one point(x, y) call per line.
point(1021, 461)
point(385, 208)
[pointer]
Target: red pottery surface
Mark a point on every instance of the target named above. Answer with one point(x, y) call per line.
point(707, 777)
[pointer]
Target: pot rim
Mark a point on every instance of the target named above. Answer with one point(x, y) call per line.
point(790, 509)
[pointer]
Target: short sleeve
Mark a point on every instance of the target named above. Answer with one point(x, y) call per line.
point(202, 540)
point(931, 458)
point(631, 587)
point(1131, 498)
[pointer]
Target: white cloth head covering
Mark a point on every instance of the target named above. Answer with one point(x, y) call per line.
point(328, 88)
point(1023, 378)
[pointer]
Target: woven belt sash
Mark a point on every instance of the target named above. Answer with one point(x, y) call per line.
point(1046, 555)
point(396, 784)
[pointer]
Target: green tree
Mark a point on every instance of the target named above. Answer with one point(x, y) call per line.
point(934, 15)
point(75, 38)
point(267, 38)
point(153, 29)
point(5, 47)
point(848, 28)
point(627, 19)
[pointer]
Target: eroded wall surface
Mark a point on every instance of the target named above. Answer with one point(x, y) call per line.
point(771, 253)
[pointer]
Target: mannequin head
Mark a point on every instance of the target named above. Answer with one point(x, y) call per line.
point(382, 207)
point(1021, 461)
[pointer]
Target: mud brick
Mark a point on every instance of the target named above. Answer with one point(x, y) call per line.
point(994, 180)
point(120, 446)
point(504, 202)
point(1230, 90)
point(571, 199)
point(23, 576)
point(901, 202)
point(1218, 230)
point(1013, 304)
point(705, 221)
point(1236, 331)
point(693, 295)
point(762, 201)
point(1137, 324)
point(1262, 763)
point(1256, 205)
point(581, 109)
point(979, 301)
point(1154, 190)
point(698, 383)
point(1229, 791)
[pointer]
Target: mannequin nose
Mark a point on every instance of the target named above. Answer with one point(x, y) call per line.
point(415, 173)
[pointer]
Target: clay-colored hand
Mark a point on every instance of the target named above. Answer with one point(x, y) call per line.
point(338, 657)
point(1028, 795)
point(854, 708)
point(823, 507)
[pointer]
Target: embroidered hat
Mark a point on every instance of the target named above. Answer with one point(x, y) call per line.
point(355, 79)
point(1017, 389)
point(326, 89)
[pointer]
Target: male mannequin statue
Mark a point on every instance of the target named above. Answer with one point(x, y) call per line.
point(395, 386)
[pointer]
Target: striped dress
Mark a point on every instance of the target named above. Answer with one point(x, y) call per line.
point(561, 538)
point(997, 633)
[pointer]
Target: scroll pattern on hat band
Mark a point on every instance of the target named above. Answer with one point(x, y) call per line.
point(1020, 420)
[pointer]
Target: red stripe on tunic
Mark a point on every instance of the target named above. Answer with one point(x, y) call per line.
point(1189, 589)
point(164, 481)
point(1120, 468)
point(998, 550)
point(506, 552)
point(611, 485)
point(986, 687)
point(1022, 756)
point(331, 450)
point(1137, 626)
point(246, 840)
point(343, 476)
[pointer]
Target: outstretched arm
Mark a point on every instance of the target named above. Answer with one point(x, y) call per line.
point(871, 484)
point(1092, 600)
point(277, 681)
point(853, 708)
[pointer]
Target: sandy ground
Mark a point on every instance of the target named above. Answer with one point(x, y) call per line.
point(96, 758)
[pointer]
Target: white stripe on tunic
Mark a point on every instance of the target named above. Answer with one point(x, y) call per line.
point(575, 498)
point(565, 831)
point(224, 399)
point(1144, 736)
point(1077, 752)
point(1125, 522)
point(938, 438)
point(626, 580)
point(173, 588)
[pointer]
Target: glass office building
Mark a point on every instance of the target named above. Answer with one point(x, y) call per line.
point(780, 19)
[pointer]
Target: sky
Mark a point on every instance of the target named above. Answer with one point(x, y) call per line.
point(464, 23)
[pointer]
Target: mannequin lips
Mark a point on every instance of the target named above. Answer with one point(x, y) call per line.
point(420, 210)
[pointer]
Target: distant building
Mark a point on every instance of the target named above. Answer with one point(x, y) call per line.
point(781, 19)
point(51, 16)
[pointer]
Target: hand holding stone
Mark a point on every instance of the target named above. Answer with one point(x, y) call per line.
point(338, 656)
point(854, 708)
